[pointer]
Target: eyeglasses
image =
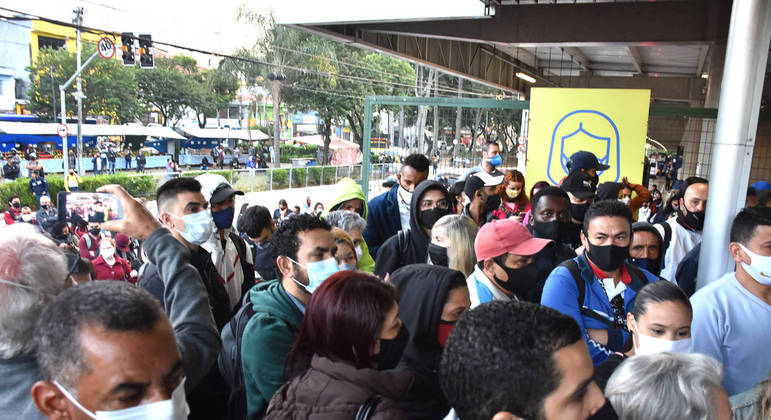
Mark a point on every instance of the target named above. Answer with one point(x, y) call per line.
point(429, 204)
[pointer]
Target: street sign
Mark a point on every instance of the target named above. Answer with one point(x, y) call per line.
point(61, 130)
point(106, 48)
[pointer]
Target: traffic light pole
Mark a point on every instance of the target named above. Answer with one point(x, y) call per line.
point(79, 94)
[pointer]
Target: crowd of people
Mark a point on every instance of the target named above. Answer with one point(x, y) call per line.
point(483, 300)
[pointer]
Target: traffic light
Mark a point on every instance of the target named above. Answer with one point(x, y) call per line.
point(127, 41)
point(146, 60)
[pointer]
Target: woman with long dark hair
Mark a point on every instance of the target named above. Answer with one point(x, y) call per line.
point(352, 336)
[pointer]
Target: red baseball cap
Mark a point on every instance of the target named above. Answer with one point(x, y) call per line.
point(503, 236)
point(122, 242)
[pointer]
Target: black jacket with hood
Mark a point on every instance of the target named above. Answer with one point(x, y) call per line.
point(422, 292)
point(412, 247)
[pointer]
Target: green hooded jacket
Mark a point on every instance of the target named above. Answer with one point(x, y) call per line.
point(348, 189)
point(268, 337)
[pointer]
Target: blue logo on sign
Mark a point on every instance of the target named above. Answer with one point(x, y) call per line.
point(584, 130)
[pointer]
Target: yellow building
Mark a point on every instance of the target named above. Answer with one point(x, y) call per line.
point(46, 34)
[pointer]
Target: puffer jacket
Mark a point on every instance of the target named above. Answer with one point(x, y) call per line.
point(335, 390)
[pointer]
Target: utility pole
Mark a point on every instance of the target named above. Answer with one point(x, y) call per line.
point(53, 91)
point(79, 22)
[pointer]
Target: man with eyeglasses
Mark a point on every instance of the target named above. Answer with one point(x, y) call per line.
point(430, 201)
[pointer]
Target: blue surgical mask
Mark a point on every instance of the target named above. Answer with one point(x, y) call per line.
point(317, 272)
point(349, 267)
point(496, 160)
point(223, 219)
point(198, 227)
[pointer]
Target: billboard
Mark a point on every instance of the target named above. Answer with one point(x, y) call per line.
point(611, 123)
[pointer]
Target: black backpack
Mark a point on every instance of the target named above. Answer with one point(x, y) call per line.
point(229, 360)
point(572, 267)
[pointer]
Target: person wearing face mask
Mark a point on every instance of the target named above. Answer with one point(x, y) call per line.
point(88, 245)
point(258, 227)
point(491, 160)
point(353, 225)
point(506, 268)
point(345, 255)
point(27, 216)
point(348, 196)
point(646, 249)
point(660, 321)
point(351, 338)
point(682, 233)
point(514, 201)
point(109, 266)
point(622, 191)
point(430, 202)
point(551, 220)
point(579, 187)
point(63, 236)
point(586, 162)
point(72, 181)
point(452, 243)
point(46, 216)
point(431, 299)
point(390, 212)
point(13, 214)
point(229, 252)
point(183, 210)
point(731, 315)
point(669, 209)
point(304, 249)
point(481, 191)
point(598, 287)
point(124, 327)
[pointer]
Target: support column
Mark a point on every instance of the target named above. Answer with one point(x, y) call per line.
point(737, 123)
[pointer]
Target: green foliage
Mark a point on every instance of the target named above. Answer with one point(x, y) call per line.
point(138, 186)
point(109, 88)
point(288, 152)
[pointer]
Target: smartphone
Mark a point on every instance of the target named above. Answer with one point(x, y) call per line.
point(88, 206)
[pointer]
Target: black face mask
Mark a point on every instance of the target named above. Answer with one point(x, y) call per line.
point(16, 205)
point(578, 211)
point(391, 350)
point(607, 257)
point(555, 230)
point(44, 206)
point(94, 232)
point(429, 217)
point(438, 255)
point(521, 280)
point(693, 219)
point(654, 266)
point(492, 202)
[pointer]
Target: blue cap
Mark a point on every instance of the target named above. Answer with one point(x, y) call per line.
point(761, 186)
point(584, 160)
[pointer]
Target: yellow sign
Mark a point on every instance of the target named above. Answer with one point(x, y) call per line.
point(611, 123)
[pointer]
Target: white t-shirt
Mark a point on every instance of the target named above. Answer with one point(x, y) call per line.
point(404, 210)
point(228, 265)
point(683, 240)
point(733, 326)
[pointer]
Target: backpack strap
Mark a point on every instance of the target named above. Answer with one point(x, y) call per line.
point(572, 267)
point(367, 409)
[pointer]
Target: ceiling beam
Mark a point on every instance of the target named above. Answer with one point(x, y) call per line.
point(637, 60)
point(702, 60)
point(578, 57)
point(571, 25)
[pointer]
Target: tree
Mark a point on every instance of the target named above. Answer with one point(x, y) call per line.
point(109, 88)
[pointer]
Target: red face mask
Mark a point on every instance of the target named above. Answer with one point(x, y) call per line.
point(445, 328)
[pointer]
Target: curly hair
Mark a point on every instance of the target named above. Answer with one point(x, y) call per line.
point(285, 240)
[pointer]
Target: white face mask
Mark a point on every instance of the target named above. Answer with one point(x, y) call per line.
point(107, 253)
point(759, 267)
point(625, 200)
point(198, 226)
point(173, 409)
point(404, 195)
point(646, 344)
point(359, 253)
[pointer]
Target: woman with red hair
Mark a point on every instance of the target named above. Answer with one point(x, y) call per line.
point(352, 336)
point(514, 201)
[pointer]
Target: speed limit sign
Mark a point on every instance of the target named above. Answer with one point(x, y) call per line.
point(106, 48)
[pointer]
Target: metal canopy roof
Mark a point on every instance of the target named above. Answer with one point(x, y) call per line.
point(89, 130)
point(223, 133)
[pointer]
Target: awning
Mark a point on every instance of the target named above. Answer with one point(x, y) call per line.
point(334, 144)
point(223, 133)
point(88, 130)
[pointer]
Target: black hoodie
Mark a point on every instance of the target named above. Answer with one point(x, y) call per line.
point(423, 291)
point(413, 246)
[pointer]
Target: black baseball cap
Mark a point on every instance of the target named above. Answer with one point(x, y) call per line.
point(579, 184)
point(585, 160)
point(222, 192)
